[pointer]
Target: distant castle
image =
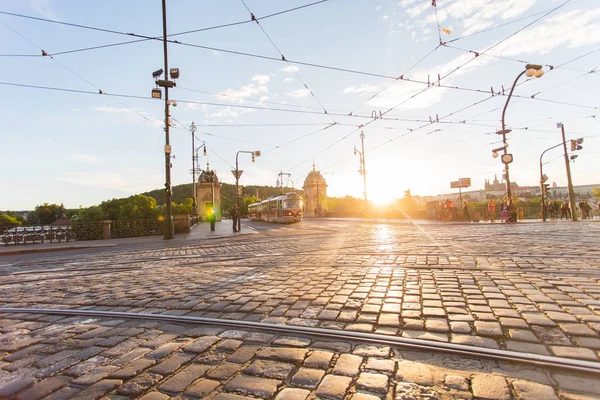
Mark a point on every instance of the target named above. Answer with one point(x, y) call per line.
point(497, 185)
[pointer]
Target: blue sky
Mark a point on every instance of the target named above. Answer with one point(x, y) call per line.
point(81, 149)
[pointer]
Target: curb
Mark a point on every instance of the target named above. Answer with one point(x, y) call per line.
point(52, 249)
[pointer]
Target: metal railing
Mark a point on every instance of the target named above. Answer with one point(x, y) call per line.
point(36, 234)
point(138, 227)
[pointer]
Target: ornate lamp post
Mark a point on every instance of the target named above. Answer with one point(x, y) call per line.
point(530, 70)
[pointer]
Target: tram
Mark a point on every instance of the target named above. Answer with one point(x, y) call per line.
point(286, 208)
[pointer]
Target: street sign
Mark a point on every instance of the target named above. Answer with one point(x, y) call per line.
point(455, 185)
point(507, 158)
point(465, 182)
point(237, 173)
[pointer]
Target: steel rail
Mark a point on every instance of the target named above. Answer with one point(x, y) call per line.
point(413, 344)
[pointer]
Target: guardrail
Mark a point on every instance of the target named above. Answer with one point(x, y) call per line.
point(36, 234)
point(76, 231)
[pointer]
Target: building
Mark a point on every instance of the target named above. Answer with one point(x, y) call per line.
point(497, 189)
point(315, 194)
point(207, 189)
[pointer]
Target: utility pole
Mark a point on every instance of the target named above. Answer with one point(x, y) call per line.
point(194, 163)
point(168, 234)
point(569, 181)
point(363, 169)
point(280, 179)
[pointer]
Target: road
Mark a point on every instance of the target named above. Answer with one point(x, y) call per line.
point(509, 290)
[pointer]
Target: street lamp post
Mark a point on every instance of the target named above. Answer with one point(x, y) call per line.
point(530, 70)
point(569, 181)
point(194, 162)
point(237, 173)
point(195, 168)
point(157, 94)
point(363, 170)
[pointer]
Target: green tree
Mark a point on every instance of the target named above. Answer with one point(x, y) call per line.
point(596, 192)
point(47, 212)
point(32, 218)
point(16, 216)
point(7, 220)
point(90, 214)
point(183, 208)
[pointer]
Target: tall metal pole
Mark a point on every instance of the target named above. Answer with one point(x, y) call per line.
point(237, 193)
point(506, 175)
point(364, 170)
point(569, 181)
point(169, 211)
point(194, 162)
point(542, 188)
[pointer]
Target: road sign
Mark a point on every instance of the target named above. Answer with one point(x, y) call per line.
point(455, 184)
point(465, 182)
point(237, 173)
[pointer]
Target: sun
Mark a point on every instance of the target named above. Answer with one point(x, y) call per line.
point(380, 192)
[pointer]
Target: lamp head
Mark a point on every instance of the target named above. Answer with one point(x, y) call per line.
point(157, 73)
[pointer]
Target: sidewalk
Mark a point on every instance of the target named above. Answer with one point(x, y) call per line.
point(199, 232)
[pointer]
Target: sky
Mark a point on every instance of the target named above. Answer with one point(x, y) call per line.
point(425, 84)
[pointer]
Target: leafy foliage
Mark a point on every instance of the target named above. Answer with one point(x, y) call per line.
point(8, 220)
point(47, 213)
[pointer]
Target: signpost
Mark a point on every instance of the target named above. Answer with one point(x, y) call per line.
point(460, 183)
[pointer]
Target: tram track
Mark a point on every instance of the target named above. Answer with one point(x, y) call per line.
point(552, 362)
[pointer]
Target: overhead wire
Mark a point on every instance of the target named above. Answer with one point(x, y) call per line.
point(144, 38)
point(294, 70)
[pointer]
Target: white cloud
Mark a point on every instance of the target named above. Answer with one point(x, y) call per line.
point(98, 179)
point(84, 158)
point(377, 8)
point(418, 10)
point(288, 79)
point(575, 28)
point(226, 112)
point(246, 91)
point(385, 17)
point(289, 68)
point(43, 8)
point(261, 79)
point(362, 89)
point(298, 93)
point(406, 3)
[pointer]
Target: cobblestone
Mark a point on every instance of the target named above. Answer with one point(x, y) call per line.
point(540, 299)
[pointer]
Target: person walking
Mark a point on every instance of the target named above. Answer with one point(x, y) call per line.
point(492, 209)
point(466, 215)
point(512, 211)
point(564, 210)
point(235, 215)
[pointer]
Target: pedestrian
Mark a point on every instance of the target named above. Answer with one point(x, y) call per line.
point(504, 211)
point(492, 208)
point(466, 215)
point(512, 211)
point(565, 211)
point(235, 215)
point(582, 209)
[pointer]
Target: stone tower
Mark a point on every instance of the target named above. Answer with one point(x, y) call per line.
point(315, 194)
point(208, 183)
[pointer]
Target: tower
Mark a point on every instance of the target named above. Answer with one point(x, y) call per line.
point(315, 194)
point(207, 188)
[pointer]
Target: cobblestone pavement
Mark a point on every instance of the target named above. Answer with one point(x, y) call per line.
point(530, 288)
